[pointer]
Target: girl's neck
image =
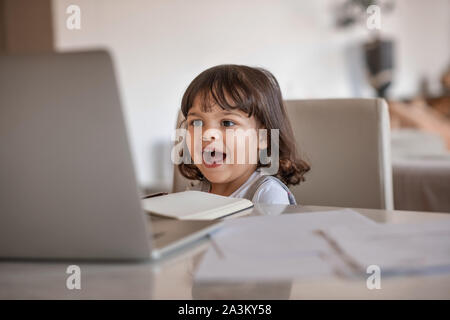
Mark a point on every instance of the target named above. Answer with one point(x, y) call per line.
point(226, 189)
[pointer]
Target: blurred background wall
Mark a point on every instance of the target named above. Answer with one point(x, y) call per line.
point(159, 46)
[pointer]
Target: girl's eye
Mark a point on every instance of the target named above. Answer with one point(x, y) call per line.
point(228, 123)
point(197, 123)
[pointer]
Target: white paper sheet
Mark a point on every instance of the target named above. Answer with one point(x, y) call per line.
point(397, 248)
point(274, 247)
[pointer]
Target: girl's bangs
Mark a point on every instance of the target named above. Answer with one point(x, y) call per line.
point(226, 91)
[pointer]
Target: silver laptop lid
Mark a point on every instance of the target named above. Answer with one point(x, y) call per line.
point(67, 184)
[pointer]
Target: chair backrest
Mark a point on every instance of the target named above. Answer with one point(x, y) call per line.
point(180, 183)
point(347, 143)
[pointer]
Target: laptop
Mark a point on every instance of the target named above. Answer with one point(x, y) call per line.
point(67, 182)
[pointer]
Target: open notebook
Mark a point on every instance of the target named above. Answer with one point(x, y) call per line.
point(194, 205)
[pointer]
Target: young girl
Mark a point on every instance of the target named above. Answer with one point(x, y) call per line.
point(241, 99)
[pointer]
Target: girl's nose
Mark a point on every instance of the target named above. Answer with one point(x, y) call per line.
point(211, 134)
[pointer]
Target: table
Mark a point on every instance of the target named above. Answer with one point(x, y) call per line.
point(422, 183)
point(421, 171)
point(172, 276)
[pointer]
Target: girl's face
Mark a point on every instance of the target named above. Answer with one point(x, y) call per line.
point(225, 144)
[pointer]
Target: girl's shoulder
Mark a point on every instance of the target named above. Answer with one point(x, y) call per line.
point(270, 190)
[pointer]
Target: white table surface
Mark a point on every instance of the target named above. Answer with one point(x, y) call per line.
point(172, 277)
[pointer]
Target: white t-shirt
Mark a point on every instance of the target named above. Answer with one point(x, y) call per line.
point(269, 192)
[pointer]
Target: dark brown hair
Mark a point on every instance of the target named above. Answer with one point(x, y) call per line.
point(256, 92)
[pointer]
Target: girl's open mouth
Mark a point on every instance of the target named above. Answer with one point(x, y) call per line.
point(213, 158)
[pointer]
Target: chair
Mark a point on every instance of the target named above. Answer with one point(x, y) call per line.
point(180, 183)
point(347, 143)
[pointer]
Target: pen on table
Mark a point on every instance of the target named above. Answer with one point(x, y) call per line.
point(155, 195)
